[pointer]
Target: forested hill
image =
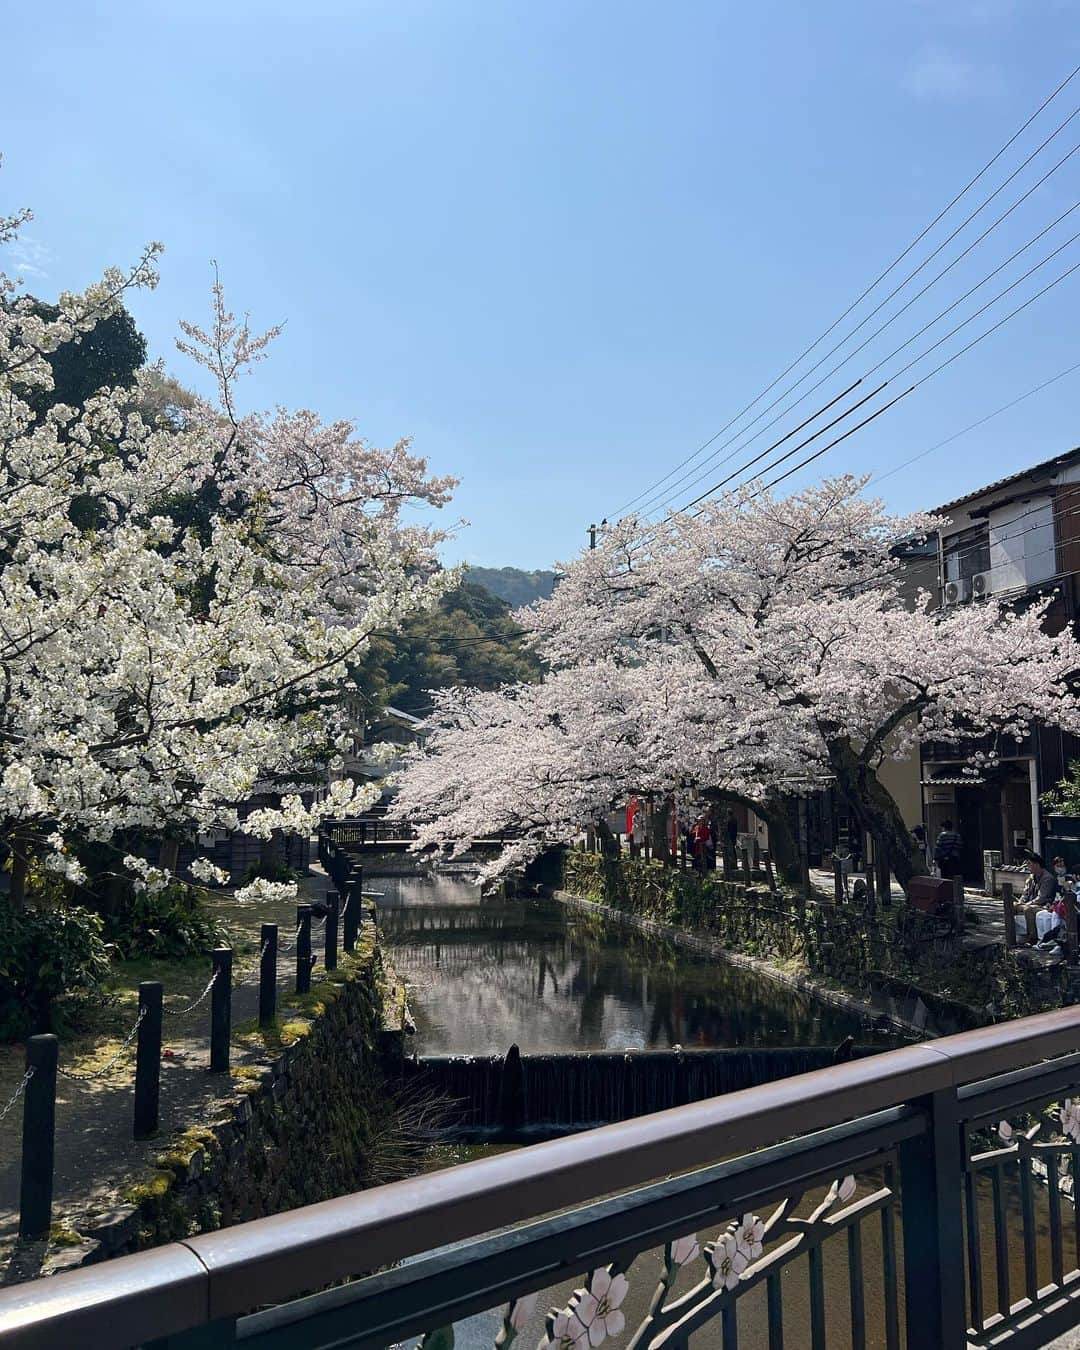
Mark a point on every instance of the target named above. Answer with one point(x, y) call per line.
point(512, 584)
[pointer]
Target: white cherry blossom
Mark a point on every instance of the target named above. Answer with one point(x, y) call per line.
point(728, 1262)
point(183, 602)
point(566, 1332)
point(749, 1236)
point(685, 1249)
point(597, 1308)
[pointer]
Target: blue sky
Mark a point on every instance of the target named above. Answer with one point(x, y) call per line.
point(558, 243)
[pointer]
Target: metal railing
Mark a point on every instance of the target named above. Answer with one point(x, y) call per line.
point(879, 1173)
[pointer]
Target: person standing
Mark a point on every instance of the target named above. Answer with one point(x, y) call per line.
point(731, 832)
point(948, 848)
point(699, 843)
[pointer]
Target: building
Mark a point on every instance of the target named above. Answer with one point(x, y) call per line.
point(1015, 539)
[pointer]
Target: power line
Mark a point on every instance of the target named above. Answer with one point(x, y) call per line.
point(651, 491)
point(922, 355)
point(903, 309)
point(973, 426)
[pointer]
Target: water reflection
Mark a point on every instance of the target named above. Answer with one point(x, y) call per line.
point(483, 973)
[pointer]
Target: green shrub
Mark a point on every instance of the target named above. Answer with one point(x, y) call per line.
point(168, 923)
point(269, 872)
point(50, 958)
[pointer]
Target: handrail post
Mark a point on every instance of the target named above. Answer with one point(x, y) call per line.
point(268, 974)
point(1010, 916)
point(330, 931)
point(221, 1010)
point(931, 1171)
point(303, 949)
point(354, 909)
point(883, 865)
point(38, 1137)
point(958, 909)
point(148, 1061)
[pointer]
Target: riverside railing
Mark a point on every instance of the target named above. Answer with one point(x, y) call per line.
point(37, 1087)
point(924, 1192)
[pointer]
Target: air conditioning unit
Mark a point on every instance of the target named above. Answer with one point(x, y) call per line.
point(981, 584)
point(955, 592)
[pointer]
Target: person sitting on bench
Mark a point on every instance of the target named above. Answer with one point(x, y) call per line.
point(1038, 899)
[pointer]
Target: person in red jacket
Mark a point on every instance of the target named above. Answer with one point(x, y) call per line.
point(700, 838)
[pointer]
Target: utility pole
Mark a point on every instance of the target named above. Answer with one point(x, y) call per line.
point(592, 536)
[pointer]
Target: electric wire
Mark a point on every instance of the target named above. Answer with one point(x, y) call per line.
point(907, 342)
point(651, 492)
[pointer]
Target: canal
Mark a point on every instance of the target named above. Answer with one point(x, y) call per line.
point(484, 973)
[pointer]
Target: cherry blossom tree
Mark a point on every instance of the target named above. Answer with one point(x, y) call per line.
point(182, 600)
point(760, 640)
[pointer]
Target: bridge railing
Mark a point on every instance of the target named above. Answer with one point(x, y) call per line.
point(922, 1195)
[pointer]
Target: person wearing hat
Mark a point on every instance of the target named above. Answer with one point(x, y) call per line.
point(1039, 894)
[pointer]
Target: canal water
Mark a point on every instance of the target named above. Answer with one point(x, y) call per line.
point(483, 974)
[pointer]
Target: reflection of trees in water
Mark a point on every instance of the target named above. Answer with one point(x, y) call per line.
point(497, 971)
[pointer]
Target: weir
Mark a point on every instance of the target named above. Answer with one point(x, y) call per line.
point(487, 1096)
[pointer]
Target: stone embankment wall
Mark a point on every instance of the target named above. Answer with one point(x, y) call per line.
point(307, 1122)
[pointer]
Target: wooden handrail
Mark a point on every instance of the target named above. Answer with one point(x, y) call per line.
point(226, 1273)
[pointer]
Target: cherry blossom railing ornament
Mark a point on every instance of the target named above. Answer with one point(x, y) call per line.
point(735, 1262)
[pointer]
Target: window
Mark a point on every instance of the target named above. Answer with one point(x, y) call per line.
point(967, 553)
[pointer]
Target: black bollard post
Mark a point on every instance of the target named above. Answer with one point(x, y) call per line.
point(330, 931)
point(350, 919)
point(303, 949)
point(512, 1091)
point(268, 975)
point(148, 1061)
point(838, 881)
point(221, 1010)
point(39, 1134)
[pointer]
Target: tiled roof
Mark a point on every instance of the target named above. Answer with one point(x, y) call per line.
point(1047, 466)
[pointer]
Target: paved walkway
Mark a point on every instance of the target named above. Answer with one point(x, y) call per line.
point(95, 1151)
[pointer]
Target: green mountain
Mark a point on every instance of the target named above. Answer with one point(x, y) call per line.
point(512, 584)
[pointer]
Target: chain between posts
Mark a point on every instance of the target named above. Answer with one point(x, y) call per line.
point(255, 972)
point(18, 1092)
point(183, 1012)
point(285, 947)
point(100, 1073)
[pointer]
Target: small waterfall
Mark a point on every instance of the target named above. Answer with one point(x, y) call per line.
point(492, 1093)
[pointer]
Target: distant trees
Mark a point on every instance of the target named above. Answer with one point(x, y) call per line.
point(108, 356)
point(513, 584)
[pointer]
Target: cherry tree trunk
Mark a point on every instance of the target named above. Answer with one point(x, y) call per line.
point(783, 846)
point(17, 894)
point(660, 825)
point(873, 807)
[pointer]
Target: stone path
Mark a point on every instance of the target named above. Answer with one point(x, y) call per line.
point(95, 1152)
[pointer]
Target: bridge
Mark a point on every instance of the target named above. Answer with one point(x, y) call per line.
point(372, 832)
point(933, 1183)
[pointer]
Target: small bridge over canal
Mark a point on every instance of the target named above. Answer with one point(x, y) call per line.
point(373, 832)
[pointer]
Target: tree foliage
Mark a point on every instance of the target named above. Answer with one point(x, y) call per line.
point(185, 637)
point(755, 647)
